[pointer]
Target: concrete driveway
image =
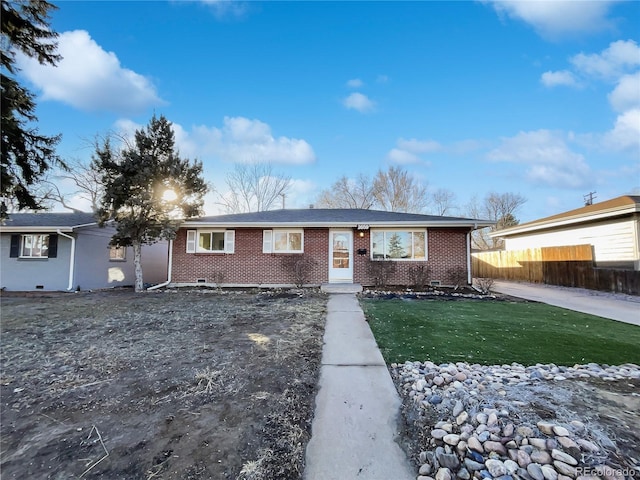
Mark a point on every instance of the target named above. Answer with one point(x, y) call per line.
point(616, 306)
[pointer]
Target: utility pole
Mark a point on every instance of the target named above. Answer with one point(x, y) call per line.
point(588, 198)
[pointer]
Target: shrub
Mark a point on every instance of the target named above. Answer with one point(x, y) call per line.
point(380, 272)
point(419, 276)
point(299, 268)
point(457, 277)
point(484, 285)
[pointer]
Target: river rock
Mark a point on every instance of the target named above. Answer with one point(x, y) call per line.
point(458, 408)
point(438, 433)
point(472, 465)
point(463, 474)
point(545, 427)
point(523, 458)
point(482, 418)
point(539, 443)
point(567, 443)
point(524, 431)
point(511, 466)
point(565, 469)
point(563, 457)
point(451, 439)
point(549, 472)
point(587, 445)
point(496, 468)
point(491, 446)
point(535, 471)
point(474, 444)
point(492, 419)
point(541, 457)
point(462, 418)
point(443, 474)
point(425, 469)
point(508, 430)
point(448, 460)
point(560, 431)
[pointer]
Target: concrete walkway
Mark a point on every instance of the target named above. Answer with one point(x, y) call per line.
point(357, 406)
point(624, 308)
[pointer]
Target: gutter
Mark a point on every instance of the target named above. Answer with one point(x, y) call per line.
point(72, 258)
point(169, 268)
point(469, 277)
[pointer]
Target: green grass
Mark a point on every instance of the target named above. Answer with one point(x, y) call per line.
point(489, 333)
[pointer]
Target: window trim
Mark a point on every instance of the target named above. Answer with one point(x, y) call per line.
point(403, 230)
point(117, 248)
point(33, 235)
point(269, 243)
point(193, 241)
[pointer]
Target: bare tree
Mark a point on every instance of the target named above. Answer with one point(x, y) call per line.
point(443, 201)
point(253, 188)
point(84, 182)
point(397, 191)
point(348, 193)
point(499, 207)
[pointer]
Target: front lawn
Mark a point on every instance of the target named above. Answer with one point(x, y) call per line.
point(497, 332)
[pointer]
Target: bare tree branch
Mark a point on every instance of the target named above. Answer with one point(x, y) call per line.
point(253, 188)
point(499, 207)
point(443, 201)
point(348, 193)
point(397, 191)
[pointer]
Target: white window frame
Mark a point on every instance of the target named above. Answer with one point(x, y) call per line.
point(117, 253)
point(269, 244)
point(384, 231)
point(193, 240)
point(34, 237)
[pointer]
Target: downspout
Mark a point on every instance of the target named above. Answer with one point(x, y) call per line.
point(72, 259)
point(469, 278)
point(169, 267)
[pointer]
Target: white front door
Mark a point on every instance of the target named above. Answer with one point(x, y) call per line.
point(340, 256)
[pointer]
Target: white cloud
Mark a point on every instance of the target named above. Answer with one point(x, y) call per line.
point(89, 78)
point(355, 83)
point(226, 8)
point(239, 140)
point(419, 146)
point(554, 19)
point(553, 79)
point(358, 101)
point(408, 151)
point(550, 161)
point(616, 60)
point(626, 95)
point(242, 140)
point(625, 135)
point(402, 157)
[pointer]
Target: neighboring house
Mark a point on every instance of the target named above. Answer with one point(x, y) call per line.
point(612, 228)
point(256, 249)
point(67, 251)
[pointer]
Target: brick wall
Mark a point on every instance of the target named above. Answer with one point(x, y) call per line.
point(248, 265)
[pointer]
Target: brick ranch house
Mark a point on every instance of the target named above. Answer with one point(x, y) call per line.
point(253, 249)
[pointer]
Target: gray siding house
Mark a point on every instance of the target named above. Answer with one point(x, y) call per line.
point(69, 251)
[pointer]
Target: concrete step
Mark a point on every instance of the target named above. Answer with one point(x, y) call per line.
point(341, 287)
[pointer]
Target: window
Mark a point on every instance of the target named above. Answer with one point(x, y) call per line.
point(210, 241)
point(399, 244)
point(117, 253)
point(282, 241)
point(35, 246)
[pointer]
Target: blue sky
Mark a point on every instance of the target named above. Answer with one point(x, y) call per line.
point(539, 98)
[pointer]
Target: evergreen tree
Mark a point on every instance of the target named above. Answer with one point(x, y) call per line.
point(396, 249)
point(26, 154)
point(148, 189)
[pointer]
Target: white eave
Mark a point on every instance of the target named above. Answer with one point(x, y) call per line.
point(566, 221)
point(41, 229)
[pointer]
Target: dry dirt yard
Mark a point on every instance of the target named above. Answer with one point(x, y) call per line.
point(162, 385)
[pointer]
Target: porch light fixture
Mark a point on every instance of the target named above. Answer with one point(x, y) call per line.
point(361, 234)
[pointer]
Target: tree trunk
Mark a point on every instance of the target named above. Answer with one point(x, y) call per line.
point(137, 262)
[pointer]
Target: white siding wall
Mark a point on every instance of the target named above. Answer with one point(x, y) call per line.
point(614, 242)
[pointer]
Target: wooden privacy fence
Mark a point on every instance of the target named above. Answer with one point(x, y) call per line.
point(570, 266)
